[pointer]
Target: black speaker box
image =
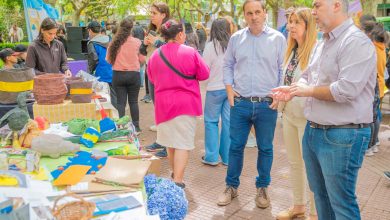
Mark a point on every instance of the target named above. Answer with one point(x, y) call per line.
point(77, 33)
point(77, 56)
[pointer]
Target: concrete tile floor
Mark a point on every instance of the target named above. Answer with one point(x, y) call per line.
point(204, 183)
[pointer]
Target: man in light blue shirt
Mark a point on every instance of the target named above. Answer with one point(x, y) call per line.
point(339, 85)
point(252, 67)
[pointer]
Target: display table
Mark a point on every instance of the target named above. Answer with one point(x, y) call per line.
point(68, 110)
point(4, 108)
point(39, 191)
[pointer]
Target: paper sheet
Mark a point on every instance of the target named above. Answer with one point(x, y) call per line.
point(128, 172)
point(72, 175)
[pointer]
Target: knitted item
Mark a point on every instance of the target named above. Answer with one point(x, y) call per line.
point(90, 137)
point(77, 126)
point(114, 134)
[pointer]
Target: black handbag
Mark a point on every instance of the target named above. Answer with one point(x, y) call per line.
point(142, 49)
point(193, 77)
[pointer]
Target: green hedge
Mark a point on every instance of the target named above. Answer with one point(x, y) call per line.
point(11, 45)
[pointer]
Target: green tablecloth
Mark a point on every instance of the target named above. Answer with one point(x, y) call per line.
point(52, 164)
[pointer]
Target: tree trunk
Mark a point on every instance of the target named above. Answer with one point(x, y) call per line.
point(288, 3)
point(76, 18)
point(275, 11)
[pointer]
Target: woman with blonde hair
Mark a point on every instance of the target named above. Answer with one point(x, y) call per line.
point(300, 44)
point(233, 26)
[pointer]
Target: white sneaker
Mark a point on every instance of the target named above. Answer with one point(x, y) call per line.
point(153, 128)
point(369, 152)
point(375, 149)
point(378, 143)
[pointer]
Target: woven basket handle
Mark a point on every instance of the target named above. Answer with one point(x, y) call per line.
point(68, 194)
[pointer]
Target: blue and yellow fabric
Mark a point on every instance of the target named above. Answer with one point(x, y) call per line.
point(107, 125)
point(90, 137)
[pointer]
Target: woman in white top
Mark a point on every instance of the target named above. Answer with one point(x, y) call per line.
point(216, 105)
point(301, 42)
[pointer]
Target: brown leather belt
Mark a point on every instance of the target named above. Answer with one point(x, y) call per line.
point(315, 125)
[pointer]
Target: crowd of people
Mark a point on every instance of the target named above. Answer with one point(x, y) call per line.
point(328, 90)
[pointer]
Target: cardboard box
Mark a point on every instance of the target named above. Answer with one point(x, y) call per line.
point(68, 110)
point(155, 167)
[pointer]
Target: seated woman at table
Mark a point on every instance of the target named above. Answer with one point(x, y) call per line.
point(46, 54)
point(175, 71)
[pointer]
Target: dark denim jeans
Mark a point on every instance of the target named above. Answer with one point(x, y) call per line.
point(333, 158)
point(243, 115)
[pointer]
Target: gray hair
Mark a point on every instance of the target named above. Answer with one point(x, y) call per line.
point(344, 3)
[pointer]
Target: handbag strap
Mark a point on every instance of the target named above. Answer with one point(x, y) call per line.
point(173, 68)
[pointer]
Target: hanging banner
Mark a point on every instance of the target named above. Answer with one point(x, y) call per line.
point(35, 11)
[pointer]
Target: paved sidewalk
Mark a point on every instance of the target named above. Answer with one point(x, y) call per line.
point(204, 183)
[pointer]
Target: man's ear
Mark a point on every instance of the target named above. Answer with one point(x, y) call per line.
point(337, 6)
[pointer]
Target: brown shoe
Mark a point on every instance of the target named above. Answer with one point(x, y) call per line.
point(262, 199)
point(289, 214)
point(226, 197)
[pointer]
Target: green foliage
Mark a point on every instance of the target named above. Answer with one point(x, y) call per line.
point(11, 12)
point(302, 3)
point(11, 45)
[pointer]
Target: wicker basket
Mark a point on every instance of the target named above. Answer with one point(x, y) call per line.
point(75, 210)
point(81, 92)
point(49, 89)
point(14, 81)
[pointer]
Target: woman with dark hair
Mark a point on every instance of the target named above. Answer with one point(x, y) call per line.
point(175, 70)
point(376, 32)
point(46, 54)
point(159, 14)
point(192, 39)
point(123, 54)
point(217, 104)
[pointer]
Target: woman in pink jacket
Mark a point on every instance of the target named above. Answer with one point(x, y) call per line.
point(175, 70)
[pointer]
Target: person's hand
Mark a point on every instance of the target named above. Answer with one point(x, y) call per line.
point(274, 104)
point(301, 89)
point(282, 93)
point(68, 73)
point(147, 40)
point(152, 39)
point(231, 94)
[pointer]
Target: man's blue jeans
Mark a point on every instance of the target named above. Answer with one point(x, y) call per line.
point(217, 106)
point(333, 158)
point(243, 115)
